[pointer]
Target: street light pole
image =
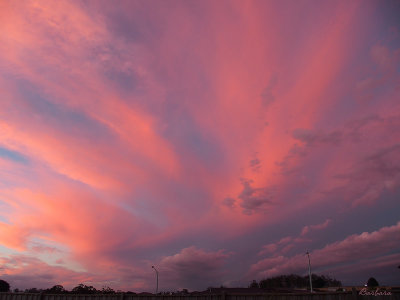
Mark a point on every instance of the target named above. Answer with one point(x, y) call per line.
point(157, 279)
point(309, 270)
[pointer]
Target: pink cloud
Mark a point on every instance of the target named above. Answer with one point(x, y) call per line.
point(365, 247)
point(306, 229)
point(282, 246)
point(269, 248)
point(92, 97)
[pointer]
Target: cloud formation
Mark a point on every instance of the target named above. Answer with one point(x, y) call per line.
point(306, 229)
point(130, 132)
point(254, 199)
point(361, 248)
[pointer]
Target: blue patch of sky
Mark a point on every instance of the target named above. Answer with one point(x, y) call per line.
point(383, 213)
point(203, 147)
point(3, 219)
point(13, 155)
point(126, 25)
point(388, 20)
point(125, 80)
point(4, 208)
point(7, 251)
point(185, 133)
point(48, 243)
point(60, 116)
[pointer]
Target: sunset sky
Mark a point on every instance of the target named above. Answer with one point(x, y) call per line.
point(216, 140)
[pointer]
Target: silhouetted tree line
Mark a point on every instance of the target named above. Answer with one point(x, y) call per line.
point(295, 281)
point(291, 281)
point(4, 286)
point(372, 282)
point(59, 289)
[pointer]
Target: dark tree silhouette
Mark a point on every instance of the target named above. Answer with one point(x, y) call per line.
point(4, 286)
point(254, 284)
point(33, 290)
point(318, 281)
point(84, 289)
point(372, 282)
point(284, 281)
point(324, 281)
point(296, 281)
point(185, 291)
point(57, 289)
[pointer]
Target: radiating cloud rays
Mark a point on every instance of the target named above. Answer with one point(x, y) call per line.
point(137, 134)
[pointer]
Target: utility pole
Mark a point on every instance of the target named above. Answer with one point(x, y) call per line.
point(309, 270)
point(157, 279)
